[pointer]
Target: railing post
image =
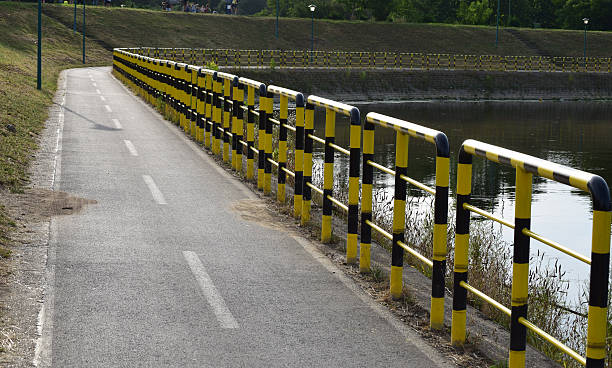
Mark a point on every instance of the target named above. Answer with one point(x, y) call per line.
point(600, 263)
point(366, 196)
point(436, 318)
point(239, 122)
point(353, 200)
point(261, 139)
point(399, 214)
point(328, 175)
point(282, 149)
point(520, 268)
point(209, 107)
point(462, 240)
point(234, 124)
point(307, 193)
point(268, 144)
point(250, 131)
point(192, 102)
point(227, 95)
point(216, 114)
point(201, 106)
point(299, 156)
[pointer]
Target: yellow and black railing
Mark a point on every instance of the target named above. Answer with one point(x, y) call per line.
point(404, 130)
point(210, 106)
point(285, 95)
point(354, 151)
point(384, 60)
point(526, 167)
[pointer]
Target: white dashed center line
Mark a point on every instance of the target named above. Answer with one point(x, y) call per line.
point(108, 108)
point(216, 302)
point(102, 98)
point(117, 124)
point(130, 147)
point(157, 194)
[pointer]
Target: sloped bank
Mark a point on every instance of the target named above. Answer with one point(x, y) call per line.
point(385, 84)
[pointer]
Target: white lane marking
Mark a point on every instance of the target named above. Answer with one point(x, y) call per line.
point(94, 84)
point(108, 108)
point(224, 316)
point(102, 98)
point(157, 194)
point(98, 91)
point(117, 124)
point(130, 147)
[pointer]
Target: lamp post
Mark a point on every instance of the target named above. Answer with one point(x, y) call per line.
point(39, 50)
point(497, 24)
point(83, 31)
point(312, 8)
point(276, 29)
point(586, 22)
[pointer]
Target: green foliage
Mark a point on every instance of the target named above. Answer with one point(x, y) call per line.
point(518, 13)
point(476, 12)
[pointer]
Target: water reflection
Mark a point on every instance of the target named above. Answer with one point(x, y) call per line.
point(576, 134)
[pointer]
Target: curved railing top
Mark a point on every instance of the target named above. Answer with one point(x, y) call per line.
point(295, 95)
point(588, 182)
point(255, 84)
point(344, 109)
point(418, 131)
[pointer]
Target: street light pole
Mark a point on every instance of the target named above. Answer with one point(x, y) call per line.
point(312, 8)
point(586, 22)
point(39, 51)
point(276, 30)
point(83, 31)
point(497, 25)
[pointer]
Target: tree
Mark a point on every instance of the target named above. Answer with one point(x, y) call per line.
point(475, 12)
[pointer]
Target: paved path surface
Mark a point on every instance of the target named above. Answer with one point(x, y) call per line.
point(162, 272)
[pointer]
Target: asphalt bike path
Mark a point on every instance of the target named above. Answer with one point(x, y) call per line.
point(162, 271)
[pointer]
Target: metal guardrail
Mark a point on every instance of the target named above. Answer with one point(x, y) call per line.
point(526, 167)
point(209, 105)
point(404, 130)
point(384, 60)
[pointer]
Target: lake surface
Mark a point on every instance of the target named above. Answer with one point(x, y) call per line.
point(576, 134)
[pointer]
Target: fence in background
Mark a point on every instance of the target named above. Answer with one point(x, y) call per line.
point(210, 106)
point(382, 60)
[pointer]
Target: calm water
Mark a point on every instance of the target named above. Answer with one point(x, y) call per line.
point(575, 134)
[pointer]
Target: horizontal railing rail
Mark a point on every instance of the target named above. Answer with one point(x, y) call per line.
point(384, 60)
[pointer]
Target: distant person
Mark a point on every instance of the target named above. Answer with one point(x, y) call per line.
point(228, 6)
point(185, 5)
point(107, 3)
point(234, 7)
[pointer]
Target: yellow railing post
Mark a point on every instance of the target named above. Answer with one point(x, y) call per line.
point(234, 124)
point(353, 199)
point(261, 139)
point(268, 144)
point(209, 108)
point(250, 131)
point(399, 214)
point(238, 103)
point(328, 175)
point(462, 240)
point(307, 193)
point(520, 268)
point(227, 93)
point(216, 114)
point(299, 158)
point(366, 196)
point(600, 263)
point(282, 148)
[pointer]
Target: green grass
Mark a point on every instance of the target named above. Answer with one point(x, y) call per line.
point(21, 104)
point(116, 27)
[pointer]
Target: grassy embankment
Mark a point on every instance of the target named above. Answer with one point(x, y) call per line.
point(138, 27)
point(22, 106)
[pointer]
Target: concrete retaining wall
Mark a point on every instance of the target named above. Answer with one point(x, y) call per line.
point(380, 84)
